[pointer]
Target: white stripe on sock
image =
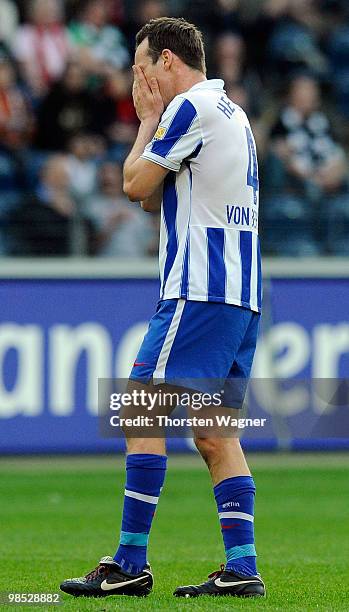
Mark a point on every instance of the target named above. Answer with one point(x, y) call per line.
point(145, 498)
point(240, 515)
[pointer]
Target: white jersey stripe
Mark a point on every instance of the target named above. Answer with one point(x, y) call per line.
point(142, 497)
point(159, 372)
point(233, 264)
point(240, 515)
point(162, 248)
point(254, 273)
point(198, 263)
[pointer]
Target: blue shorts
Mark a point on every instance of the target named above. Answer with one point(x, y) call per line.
point(200, 345)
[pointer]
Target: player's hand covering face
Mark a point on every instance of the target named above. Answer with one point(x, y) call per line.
point(147, 99)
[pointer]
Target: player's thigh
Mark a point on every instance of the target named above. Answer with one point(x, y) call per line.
point(142, 423)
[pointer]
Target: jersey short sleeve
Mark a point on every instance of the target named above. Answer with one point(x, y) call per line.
point(178, 135)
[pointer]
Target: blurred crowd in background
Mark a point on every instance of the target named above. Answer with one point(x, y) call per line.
point(67, 120)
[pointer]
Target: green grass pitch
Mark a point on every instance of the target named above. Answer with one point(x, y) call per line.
point(59, 516)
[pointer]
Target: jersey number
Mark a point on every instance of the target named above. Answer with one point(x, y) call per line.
point(252, 172)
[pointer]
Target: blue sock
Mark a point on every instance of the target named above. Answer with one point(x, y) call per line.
point(235, 503)
point(145, 477)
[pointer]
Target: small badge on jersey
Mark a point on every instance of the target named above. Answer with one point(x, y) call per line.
point(160, 133)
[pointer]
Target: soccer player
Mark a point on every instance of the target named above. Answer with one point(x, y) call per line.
point(195, 157)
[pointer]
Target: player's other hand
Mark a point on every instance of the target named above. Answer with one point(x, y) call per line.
point(147, 98)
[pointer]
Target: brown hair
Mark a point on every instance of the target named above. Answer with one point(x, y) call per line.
point(181, 37)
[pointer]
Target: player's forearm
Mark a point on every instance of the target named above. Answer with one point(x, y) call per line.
point(153, 204)
point(145, 134)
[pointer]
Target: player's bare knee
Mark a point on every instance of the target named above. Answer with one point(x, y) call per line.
point(208, 447)
point(151, 446)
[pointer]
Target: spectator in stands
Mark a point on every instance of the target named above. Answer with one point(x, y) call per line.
point(84, 150)
point(16, 118)
point(259, 31)
point(242, 84)
point(99, 46)
point(212, 18)
point(303, 141)
point(123, 121)
point(49, 223)
point(115, 11)
point(123, 230)
point(294, 41)
point(151, 9)
point(227, 14)
point(229, 53)
point(41, 45)
point(68, 108)
point(305, 171)
point(16, 127)
point(140, 12)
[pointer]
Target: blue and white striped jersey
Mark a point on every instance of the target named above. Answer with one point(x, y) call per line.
point(209, 245)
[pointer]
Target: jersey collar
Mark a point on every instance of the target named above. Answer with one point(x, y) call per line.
point(209, 84)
